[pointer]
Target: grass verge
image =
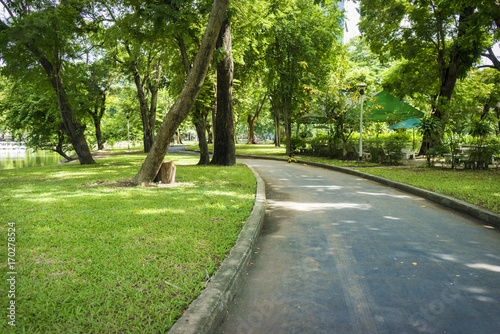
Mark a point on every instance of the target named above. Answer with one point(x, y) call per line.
point(478, 187)
point(96, 255)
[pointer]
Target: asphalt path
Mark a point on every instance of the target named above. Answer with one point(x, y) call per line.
point(341, 254)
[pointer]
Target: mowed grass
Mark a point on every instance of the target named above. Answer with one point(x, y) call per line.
point(96, 255)
point(478, 187)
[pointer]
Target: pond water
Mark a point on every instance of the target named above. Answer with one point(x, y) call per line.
point(17, 158)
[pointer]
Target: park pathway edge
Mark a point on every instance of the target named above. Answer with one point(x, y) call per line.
point(207, 311)
point(453, 203)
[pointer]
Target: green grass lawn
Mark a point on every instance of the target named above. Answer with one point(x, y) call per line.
point(96, 255)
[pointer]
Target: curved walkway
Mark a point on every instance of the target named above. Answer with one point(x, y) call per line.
point(342, 254)
point(349, 263)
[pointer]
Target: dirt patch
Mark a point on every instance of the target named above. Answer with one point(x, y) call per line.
point(116, 184)
point(128, 183)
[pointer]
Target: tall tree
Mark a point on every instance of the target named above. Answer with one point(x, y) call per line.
point(185, 101)
point(98, 85)
point(252, 119)
point(224, 142)
point(46, 35)
point(140, 48)
point(302, 42)
point(451, 34)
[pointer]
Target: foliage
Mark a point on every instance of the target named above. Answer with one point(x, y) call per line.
point(436, 42)
point(30, 111)
point(298, 144)
point(98, 255)
point(388, 149)
point(301, 45)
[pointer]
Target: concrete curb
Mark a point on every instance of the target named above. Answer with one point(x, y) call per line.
point(456, 204)
point(206, 312)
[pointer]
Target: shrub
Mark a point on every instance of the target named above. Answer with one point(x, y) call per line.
point(387, 149)
point(298, 144)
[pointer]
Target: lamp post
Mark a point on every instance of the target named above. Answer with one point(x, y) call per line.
point(128, 131)
point(362, 87)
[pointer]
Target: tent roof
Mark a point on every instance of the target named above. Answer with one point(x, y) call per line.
point(407, 124)
point(387, 107)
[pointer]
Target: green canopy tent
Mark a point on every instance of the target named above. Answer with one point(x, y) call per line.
point(411, 123)
point(407, 124)
point(384, 107)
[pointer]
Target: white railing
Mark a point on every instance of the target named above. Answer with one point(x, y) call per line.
point(12, 145)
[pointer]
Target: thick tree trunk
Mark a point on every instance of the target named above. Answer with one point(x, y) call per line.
point(185, 101)
point(71, 127)
point(224, 145)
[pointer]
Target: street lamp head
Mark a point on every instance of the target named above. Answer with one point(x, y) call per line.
point(126, 114)
point(362, 87)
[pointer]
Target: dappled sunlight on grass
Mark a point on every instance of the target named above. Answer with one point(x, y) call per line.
point(91, 244)
point(151, 211)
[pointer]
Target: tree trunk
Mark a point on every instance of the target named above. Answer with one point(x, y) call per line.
point(277, 130)
point(185, 101)
point(59, 146)
point(200, 122)
point(214, 117)
point(148, 110)
point(98, 134)
point(288, 128)
point(252, 120)
point(147, 136)
point(251, 135)
point(71, 127)
point(224, 145)
point(210, 139)
point(99, 108)
point(199, 116)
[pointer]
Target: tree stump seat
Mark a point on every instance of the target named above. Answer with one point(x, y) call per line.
point(166, 174)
